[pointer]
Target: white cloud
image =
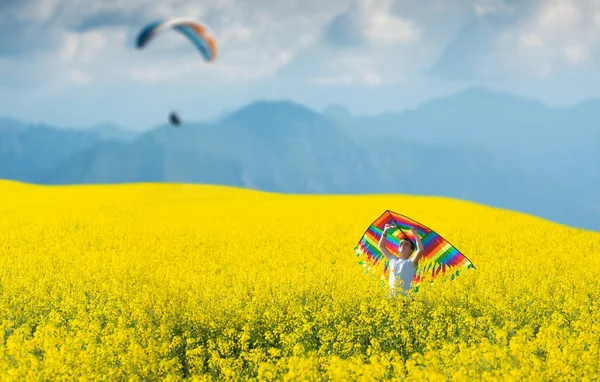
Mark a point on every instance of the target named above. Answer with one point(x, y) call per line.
point(370, 43)
point(35, 10)
point(372, 79)
point(196, 69)
point(486, 7)
point(69, 47)
point(285, 57)
point(84, 56)
point(79, 77)
point(372, 22)
point(236, 33)
point(254, 40)
point(262, 38)
point(558, 35)
point(559, 14)
point(381, 25)
point(530, 40)
point(365, 79)
point(386, 29)
point(91, 44)
point(576, 54)
point(154, 75)
point(336, 80)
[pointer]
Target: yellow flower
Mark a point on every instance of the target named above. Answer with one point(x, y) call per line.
point(168, 282)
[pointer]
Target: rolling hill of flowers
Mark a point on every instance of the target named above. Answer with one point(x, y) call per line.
point(171, 281)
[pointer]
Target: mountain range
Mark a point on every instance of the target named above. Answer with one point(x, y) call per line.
point(477, 145)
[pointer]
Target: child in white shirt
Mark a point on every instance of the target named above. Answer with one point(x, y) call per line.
point(403, 266)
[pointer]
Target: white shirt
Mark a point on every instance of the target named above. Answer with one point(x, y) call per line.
point(402, 270)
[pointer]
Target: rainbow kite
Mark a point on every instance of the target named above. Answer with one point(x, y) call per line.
point(439, 257)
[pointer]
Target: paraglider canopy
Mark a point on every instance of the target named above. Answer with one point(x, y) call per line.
point(197, 32)
point(174, 119)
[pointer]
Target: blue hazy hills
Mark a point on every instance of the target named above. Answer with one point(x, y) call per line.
point(477, 145)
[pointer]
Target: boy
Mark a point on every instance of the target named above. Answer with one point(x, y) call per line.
point(403, 266)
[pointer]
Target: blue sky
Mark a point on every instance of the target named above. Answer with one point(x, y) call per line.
point(73, 62)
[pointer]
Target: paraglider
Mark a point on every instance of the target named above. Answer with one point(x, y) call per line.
point(197, 32)
point(174, 119)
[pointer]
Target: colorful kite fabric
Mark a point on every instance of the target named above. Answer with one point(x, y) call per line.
point(439, 257)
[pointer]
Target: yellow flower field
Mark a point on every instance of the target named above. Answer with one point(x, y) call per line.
point(167, 282)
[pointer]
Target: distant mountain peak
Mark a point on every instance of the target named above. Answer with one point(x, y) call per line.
point(10, 123)
point(106, 126)
point(480, 91)
point(109, 130)
point(476, 97)
point(262, 110)
point(337, 112)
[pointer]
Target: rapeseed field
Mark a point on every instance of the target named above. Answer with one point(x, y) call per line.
point(172, 282)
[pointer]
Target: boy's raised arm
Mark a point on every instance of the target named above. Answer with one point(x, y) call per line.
point(381, 245)
point(420, 250)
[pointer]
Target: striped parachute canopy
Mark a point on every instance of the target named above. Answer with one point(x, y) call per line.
point(439, 257)
point(197, 32)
